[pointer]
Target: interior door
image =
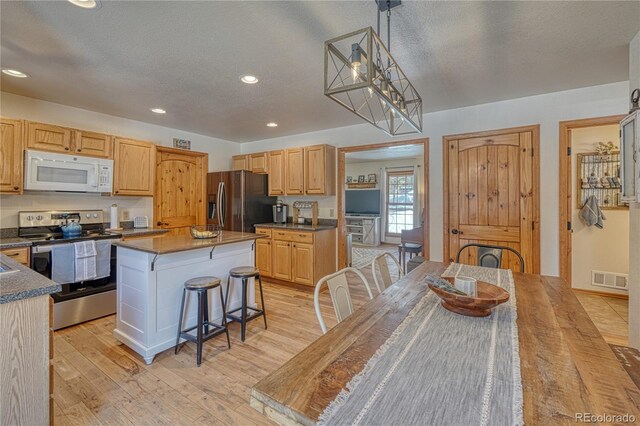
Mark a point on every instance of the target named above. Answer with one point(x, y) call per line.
point(180, 190)
point(492, 187)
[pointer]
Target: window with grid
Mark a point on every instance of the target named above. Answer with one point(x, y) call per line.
point(400, 194)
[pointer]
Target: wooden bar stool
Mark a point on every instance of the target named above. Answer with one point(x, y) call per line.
point(244, 273)
point(201, 285)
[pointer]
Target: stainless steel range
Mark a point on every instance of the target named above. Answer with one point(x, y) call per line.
point(78, 301)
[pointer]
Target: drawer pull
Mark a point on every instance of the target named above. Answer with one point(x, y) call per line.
point(302, 235)
point(12, 254)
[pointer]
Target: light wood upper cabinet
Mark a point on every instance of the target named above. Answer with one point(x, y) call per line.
point(134, 167)
point(320, 170)
point(263, 256)
point(281, 256)
point(302, 263)
point(294, 165)
point(240, 162)
point(259, 162)
point(92, 144)
point(47, 137)
point(11, 156)
point(277, 173)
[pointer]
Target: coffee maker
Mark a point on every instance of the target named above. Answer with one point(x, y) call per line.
point(280, 212)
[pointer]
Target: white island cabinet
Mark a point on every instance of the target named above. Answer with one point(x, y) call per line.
point(151, 275)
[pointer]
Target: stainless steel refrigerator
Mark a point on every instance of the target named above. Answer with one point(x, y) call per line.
point(238, 199)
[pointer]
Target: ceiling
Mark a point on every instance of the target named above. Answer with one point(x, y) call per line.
point(395, 152)
point(187, 57)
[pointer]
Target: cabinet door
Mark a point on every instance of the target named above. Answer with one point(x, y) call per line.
point(93, 144)
point(263, 257)
point(302, 266)
point(11, 156)
point(134, 167)
point(314, 167)
point(294, 171)
point(276, 173)
point(259, 162)
point(46, 137)
point(240, 162)
point(281, 260)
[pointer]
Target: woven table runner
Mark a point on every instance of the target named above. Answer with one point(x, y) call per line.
point(441, 368)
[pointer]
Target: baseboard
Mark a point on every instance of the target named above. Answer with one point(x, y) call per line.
point(602, 293)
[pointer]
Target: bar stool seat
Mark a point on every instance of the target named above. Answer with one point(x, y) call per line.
point(200, 283)
point(205, 328)
point(246, 313)
point(244, 271)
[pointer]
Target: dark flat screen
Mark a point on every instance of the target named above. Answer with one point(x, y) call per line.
point(362, 201)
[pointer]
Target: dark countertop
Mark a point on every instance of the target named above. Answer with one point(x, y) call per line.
point(140, 232)
point(14, 242)
point(24, 283)
point(178, 243)
point(295, 226)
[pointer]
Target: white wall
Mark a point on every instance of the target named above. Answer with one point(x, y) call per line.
point(14, 106)
point(634, 248)
point(546, 110)
point(593, 248)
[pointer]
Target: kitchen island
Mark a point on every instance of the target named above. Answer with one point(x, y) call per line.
point(151, 275)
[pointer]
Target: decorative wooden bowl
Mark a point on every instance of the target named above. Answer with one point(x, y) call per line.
point(489, 296)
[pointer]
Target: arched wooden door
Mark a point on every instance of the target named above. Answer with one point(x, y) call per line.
point(492, 194)
point(180, 190)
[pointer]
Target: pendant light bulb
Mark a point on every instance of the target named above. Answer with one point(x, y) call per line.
point(384, 86)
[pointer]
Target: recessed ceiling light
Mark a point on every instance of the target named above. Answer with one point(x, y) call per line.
point(158, 110)
point(272, 124)
point(86, 4)
point(249, 79)
point(15, 73)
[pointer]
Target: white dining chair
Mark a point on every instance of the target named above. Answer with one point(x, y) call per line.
point(380, 267)
point(340, 294)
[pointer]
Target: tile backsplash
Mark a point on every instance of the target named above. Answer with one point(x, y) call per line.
point(10, 205)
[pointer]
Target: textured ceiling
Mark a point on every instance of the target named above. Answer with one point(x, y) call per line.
point(186, 57)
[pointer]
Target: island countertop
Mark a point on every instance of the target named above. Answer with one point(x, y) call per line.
point(22, 282)
point(179, 243)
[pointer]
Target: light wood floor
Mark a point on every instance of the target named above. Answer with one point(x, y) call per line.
point(610, 315)
point(98, 382)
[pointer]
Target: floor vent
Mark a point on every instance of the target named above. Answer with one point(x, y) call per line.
point(609, 279)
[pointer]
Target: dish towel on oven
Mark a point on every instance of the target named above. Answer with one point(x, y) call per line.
point(85, 260)
point(62, 263)
point(103, 258)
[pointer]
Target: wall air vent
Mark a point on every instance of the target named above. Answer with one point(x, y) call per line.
point(609, 279)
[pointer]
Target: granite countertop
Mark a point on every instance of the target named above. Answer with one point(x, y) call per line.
point(179, 243)
point(295, 226)
point(14, 242)
point(24, 283)
point(139, 232)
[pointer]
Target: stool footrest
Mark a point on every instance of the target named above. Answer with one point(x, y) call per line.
point(217, 330)
point(250, 315)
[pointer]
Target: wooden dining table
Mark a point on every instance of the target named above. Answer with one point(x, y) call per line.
point(566, 366)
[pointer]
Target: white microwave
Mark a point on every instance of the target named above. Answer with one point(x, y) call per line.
point(47, 171)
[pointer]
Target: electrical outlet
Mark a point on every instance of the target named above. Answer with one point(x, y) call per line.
point(331, 212)
point(125, 215)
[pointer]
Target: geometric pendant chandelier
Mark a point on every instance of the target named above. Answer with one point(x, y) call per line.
point(362, 76)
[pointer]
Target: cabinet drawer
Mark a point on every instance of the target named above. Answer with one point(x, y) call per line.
point(20, 255)
point(356, 238)
point(298, 237)
point(264, 231)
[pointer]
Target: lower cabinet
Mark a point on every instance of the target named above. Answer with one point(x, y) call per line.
point(263, 256)
point(281, 260)
point(289, 255)
point(302, 263)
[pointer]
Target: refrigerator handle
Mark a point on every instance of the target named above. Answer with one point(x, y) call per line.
point(220, 204)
